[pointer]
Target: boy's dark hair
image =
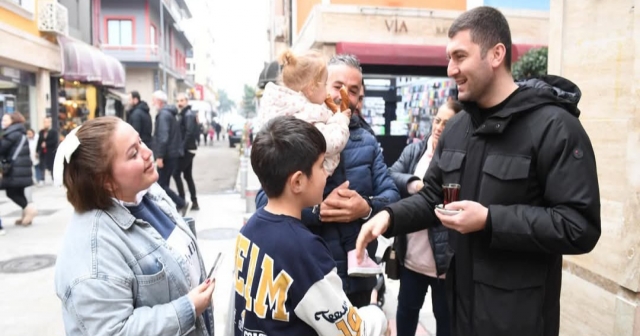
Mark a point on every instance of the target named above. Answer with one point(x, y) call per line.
point(487, 27)
point(284, 146)
point(136, 95)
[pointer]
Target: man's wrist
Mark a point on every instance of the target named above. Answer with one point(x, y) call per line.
point(369, 212)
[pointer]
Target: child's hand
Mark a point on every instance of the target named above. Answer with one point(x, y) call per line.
point(347, 113)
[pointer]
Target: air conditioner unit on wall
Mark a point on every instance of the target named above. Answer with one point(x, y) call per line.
point(280, 26)
point(53, 18)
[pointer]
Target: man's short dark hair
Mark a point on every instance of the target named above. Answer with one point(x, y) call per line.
point(136, 95)
point(487, 27)
point(284, 146)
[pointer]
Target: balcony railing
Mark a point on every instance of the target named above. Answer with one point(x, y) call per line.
point(141, 53)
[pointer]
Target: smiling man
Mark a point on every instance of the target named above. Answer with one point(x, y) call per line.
point(529, 188)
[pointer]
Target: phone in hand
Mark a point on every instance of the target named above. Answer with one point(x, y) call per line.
point(212, 272)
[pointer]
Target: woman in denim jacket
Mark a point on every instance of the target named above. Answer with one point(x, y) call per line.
point(129, 264)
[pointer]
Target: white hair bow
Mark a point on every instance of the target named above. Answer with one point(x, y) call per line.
point(63, 153)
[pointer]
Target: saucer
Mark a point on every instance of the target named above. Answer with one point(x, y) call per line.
point(440, 209)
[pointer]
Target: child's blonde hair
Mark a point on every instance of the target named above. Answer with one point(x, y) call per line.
point(301, 71)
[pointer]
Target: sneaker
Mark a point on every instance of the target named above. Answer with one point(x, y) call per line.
point(367, 268)
point(185, 210)
point(195, 205)
point(2, 232)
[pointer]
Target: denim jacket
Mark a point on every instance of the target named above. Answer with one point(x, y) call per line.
point(116, 275)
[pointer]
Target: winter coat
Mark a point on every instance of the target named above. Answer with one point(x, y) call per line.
point(47, 155)
point(21, 173)
point(140, 120)
point(402, 174)
point(281, 101)
point(189, 129)
point(167, 138)
point(530, 162)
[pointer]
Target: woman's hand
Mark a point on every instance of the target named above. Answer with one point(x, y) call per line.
point(201, 296)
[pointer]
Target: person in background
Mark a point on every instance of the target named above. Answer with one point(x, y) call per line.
point(129, 264)
point(32, 137)
point(168, 147)
point(47, 144)
point(217, 129)
point(19, 176)
point(140, 118)
point(423, 255)
point(190, 132)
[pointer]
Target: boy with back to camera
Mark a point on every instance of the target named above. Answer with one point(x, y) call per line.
point(286, 280)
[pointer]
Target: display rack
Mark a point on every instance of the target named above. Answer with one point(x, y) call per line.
point(420, 99)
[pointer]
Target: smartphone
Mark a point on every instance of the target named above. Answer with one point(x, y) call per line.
point(212, 272)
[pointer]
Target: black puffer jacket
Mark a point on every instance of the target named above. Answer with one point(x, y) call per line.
point(140, 120)
point(189, 128)
point(20, 175)
point(167, 139)
point(402, 174)
point(531, 163)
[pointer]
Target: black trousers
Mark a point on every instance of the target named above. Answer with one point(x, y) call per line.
point(17, 196)
point(164, 179)
point(185, 167)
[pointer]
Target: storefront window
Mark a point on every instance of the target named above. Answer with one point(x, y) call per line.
point(77, 104)
point(18, 93)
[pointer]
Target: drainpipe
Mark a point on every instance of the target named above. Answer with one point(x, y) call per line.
point(163, 47)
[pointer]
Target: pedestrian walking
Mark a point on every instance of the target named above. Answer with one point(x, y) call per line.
point(16, 165)
point(168, 147)
point(140, 118)
point(190, 132)
point(47, 145)
point(32, 138)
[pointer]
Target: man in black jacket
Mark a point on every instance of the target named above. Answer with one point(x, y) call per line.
point(190, 132)
point(168, 147)
point(140, 119)
point(529, 188)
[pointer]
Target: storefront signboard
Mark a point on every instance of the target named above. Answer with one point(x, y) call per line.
point(17, 76)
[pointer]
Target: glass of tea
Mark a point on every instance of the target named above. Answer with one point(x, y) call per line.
point(451, 193)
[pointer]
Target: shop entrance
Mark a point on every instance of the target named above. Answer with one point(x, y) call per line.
point(400, 102)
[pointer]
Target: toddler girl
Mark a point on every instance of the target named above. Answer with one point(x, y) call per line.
point(302, 95)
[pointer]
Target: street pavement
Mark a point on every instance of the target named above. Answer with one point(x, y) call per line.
point(28, 304)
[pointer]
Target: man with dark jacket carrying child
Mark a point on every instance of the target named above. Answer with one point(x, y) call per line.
point(140, 119)
point(528, 188)
point(168, 147)
point(190, 132)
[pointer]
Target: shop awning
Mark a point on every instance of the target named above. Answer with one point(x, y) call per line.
point(406, 54)
point(85, 63)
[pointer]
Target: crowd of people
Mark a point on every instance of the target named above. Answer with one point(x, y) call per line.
point(521, 167)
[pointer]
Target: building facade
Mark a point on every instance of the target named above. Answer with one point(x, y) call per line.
point(27, 60)
point(595, 45)
point(200, 62)
point(402, 47)
point(146, 36)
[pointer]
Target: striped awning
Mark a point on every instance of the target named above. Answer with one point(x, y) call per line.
point(85, 63)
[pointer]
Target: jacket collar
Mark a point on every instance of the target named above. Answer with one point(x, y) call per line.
point(123, 217)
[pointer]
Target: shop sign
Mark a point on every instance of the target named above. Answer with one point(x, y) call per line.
point(17, 76)
point(393, 26)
